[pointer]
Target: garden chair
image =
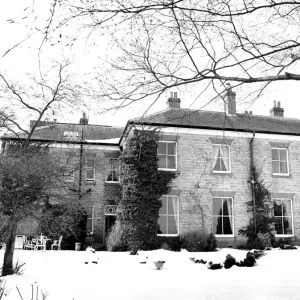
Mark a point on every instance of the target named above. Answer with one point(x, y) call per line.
point(28, 244)
point(57, 244)
point(41, 244)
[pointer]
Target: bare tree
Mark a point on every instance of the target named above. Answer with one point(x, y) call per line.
point(173, 43)
point(29, 173)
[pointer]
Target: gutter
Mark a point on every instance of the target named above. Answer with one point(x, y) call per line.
point(209, 127)
point(58, 142)
point(253, 180)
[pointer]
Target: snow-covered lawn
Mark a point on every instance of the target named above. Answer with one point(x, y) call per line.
point(66, 276)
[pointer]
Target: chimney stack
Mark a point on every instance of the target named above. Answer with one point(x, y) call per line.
point(173, 101)
point(231, 101)
point(83, 120)
point(276, 111)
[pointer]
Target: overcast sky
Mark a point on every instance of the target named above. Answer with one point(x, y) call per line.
point(24, 59)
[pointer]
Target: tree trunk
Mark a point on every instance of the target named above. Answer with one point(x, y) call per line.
point(8, 268)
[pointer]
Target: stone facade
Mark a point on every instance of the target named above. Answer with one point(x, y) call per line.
point(196, 135)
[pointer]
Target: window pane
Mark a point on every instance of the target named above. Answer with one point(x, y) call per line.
point(277, 208)
point(217, 225)
point(287, 225)
point(171, 148)
point(227, 225)
point(282, 154)
point(112, 176)
point(90, 162)
point(287, 208)
point(225, 164)
point(172, 205)
point(162, 225)
point(89, 225)
point(172, 225)
point(278, 226)
point(217, 206)
point(89, 174)
point(275, 154)
point(217, 166)
point(275, 166)
point(225, 151)
point(227, 207)
point(283, 168)
point(162, 148)
point(163, 209)
point(171, 162)
point(162, 162)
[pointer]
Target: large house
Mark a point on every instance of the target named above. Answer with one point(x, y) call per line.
point(212, 154)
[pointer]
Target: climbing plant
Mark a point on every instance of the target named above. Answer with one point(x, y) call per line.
point(142, 186)
point(261, 209)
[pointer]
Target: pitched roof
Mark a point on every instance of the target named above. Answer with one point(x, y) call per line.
point(218, 120)
point(91, 133)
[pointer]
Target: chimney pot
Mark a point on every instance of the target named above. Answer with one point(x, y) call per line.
point(173, 101)
point(277, 110)
point(83, 120)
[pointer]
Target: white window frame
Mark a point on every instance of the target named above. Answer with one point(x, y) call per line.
point(292, 215)
point(107, 170)
point(88, 168)
point(229, 151)
point(287, 161)
point(91, 232)
point(166, 155)
point(178, 229)
point(232, 225)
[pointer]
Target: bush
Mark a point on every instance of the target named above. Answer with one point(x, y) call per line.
point(211, 242)
point(114, 241)
point(196, 241)
point(229, 261)
point(174, 243)
point(261, 241)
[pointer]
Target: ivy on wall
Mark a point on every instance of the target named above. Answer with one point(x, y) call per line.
point(142, 186)
point(262, 220)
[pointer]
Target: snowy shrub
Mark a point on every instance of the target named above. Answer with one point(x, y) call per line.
point(213, 266)
point(249, 261)
point(195, 241)
point(263, 240)
point(229, 261)
point(258, 254)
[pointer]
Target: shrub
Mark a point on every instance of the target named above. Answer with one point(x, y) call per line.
point(211, 242)
point(249, 261)
point(261, 241)
point(165, 246)
point(195, 241)
point(173, 242)
point(229, 261)
point(114, 241)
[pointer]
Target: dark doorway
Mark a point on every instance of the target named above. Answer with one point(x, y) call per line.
point(109, 222)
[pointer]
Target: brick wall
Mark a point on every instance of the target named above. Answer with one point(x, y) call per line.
point(195, 169)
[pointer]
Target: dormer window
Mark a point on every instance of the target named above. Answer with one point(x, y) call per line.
point(71, 134)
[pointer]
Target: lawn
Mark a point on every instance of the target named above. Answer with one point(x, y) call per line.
point(84, 275)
